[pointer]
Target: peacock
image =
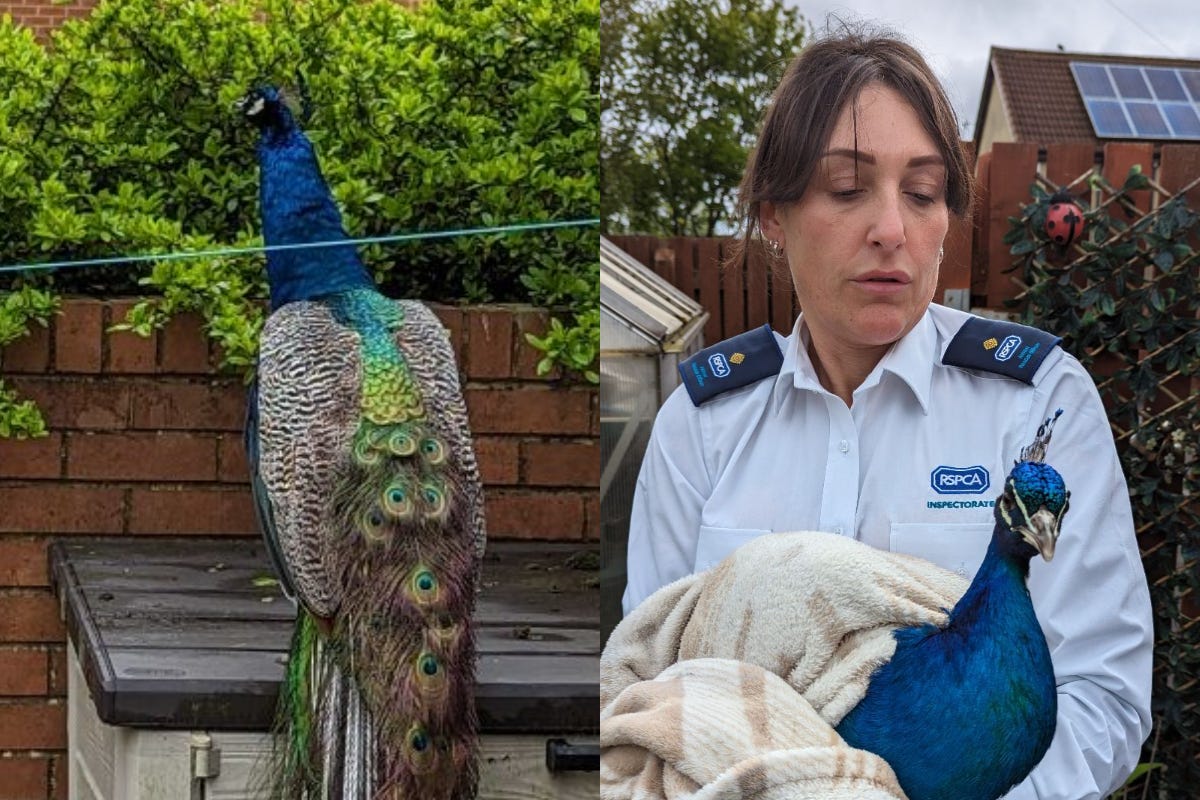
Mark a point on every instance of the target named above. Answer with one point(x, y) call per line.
point(369, 499)
point(967, 710)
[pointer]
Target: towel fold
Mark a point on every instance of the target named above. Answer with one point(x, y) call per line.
point(728, 684)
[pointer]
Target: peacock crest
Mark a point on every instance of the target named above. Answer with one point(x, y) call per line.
point(1036, 450)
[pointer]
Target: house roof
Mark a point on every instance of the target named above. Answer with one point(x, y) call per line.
point(1040, 96)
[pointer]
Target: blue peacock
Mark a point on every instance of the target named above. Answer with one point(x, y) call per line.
point(369, 499)
point(967, 710)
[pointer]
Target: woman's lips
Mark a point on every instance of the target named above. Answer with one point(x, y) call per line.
point(880, 282)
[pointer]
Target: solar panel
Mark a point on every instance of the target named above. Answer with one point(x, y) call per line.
point(1127, 101)
point(1108, 118)
point(1191, 79)
point(1166, 84)
point(1148, 120)
point(1183, 118)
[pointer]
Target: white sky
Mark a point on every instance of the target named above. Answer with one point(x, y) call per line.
point(955, 36)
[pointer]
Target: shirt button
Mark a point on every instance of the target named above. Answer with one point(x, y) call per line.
point(844, 446)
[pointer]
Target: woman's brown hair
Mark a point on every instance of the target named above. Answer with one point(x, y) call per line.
point(817, 85)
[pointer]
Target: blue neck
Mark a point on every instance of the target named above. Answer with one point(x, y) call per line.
point(297, 208)
point(999, 588)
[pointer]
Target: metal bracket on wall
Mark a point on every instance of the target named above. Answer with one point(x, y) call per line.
point(206, 759)
point(957, 298)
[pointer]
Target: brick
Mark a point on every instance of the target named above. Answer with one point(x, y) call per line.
point(57, 679)
point(591, 523)
point(77, 336)
point(61, 508)
point(489, 343)
point(452, 318)
point(30, 353)
point(560, 463)
point(129, 353)
point(216, 405)
point(498, 460)
point(515, 514)
point(527, 356)
point(185, 346)
point(72, 403)
point(33, 725)
point(29, 615)
point(168, 510)
point(31, 458)
point(23, 777)
point(232, 466)
point(23, 562)
point(23, 671)
point(528, 410)
point(158, 456)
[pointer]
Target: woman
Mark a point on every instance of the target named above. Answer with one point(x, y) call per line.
point(891, 420)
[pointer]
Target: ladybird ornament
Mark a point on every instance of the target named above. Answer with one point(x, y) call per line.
point(1064, 220)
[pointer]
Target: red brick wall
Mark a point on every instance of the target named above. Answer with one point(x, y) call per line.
point(44, 16)
point(145, 439)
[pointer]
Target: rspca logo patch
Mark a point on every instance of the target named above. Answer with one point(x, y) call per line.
point(1008, 347)
point(719, 365)
point(960, 480)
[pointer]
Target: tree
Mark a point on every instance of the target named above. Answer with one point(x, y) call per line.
point(684, 84)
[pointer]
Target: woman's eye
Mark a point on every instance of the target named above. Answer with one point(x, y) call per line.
point(846, 194)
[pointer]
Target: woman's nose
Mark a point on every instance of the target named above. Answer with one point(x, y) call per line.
point(887, 229)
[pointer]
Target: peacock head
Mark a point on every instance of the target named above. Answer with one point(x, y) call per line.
point(1035, 498)
point(264, 106)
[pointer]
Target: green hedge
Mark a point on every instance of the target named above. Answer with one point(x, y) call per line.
point(120, 137)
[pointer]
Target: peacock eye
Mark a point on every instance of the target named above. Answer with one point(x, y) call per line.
point(429, 664)
point(419, 741)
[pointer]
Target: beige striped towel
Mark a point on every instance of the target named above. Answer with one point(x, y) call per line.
point(727, 684)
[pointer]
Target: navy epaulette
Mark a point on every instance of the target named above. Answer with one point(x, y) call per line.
point(733, 363)
point(998, 346)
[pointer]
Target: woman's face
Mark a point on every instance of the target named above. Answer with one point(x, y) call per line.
point(862, 242)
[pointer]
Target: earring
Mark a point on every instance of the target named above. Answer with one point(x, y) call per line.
point(941, 254)
point(776, 248)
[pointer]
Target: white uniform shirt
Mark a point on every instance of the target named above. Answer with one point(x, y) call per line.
point(784, 454)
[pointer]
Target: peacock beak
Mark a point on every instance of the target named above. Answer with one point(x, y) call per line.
point(1042, 532)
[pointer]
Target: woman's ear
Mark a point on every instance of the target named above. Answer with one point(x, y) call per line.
point(769, 221)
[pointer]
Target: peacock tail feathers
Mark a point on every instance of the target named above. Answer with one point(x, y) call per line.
point(396, 563)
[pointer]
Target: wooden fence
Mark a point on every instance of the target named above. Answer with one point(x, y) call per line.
point(749, 293)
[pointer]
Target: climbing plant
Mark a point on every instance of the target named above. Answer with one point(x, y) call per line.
point(1125, 301)
point(119, 136)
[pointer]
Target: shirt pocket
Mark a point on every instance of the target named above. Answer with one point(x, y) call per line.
point(716, 543)
point(958, 547)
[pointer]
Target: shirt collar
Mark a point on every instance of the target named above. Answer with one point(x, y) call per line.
point(911, 359)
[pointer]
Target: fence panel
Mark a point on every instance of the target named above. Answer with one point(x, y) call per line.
point(758, 312)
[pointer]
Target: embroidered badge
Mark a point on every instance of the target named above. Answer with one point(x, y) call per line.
point(960, 480)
